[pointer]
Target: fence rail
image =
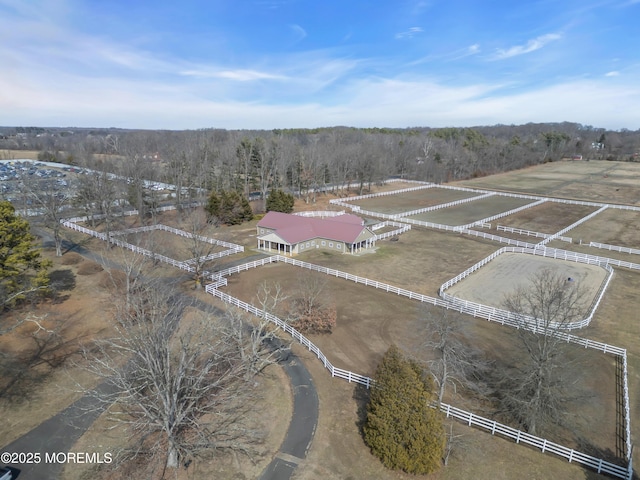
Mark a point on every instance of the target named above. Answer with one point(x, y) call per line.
point(544, 445)
point(599, 465)
point(573, 225)
point(443, 205)
point(529, 233)
point(469, 418)
point(615, 248)
point(320, 213)
point(518, 320)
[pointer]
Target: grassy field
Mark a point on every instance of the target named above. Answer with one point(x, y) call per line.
point(403, 202)
point(369, 320)
point(472, 211)
point(597, 181)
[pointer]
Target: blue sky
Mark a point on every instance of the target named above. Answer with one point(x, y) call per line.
point(263, 64)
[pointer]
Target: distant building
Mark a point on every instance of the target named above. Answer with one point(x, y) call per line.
point(292, 234)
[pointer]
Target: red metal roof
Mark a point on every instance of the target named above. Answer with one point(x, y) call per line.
point(295, 229)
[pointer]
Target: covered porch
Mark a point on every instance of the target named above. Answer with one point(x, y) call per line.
point(273, 243)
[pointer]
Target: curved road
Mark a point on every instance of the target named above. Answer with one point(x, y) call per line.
point(60, 432)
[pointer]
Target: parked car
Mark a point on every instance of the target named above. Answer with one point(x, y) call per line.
point(6, 474)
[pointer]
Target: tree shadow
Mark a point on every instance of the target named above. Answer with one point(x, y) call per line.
point(605, 454)
point(361, 395)
point(61, 281)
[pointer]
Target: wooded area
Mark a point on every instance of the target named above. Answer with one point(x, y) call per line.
point(304, 161)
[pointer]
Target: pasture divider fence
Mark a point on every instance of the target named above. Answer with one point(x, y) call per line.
point(443, 205)
point(469, 418)
point(615, 248)
point(573, 225)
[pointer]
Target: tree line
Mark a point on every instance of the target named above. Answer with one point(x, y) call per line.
point(305, 161)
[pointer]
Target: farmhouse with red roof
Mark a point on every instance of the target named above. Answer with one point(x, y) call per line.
point(292, 234)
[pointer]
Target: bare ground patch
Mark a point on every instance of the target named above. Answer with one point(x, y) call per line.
point(506, 273)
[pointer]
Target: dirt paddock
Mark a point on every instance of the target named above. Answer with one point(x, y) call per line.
point(502, 276)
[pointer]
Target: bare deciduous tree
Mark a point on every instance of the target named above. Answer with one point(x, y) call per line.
point(537, 391)
point(197, 246)
point(178, 381)
point(456, 362)
point(312, 309)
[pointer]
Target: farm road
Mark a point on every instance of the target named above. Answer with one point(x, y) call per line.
point(60, 432)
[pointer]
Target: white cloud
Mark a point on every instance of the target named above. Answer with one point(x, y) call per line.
point(612, 74)
point(531, 46)
point(364, 102)
point(236, 75)
point(413, 31)
point(298, 32)
point(473, 49)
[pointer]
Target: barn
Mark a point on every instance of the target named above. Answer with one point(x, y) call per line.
point(292, 234)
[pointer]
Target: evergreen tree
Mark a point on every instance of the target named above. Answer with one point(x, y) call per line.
point(247, 211)
point(228, 207)
point(402, 429)
point(279, 201)
point(213, 206)
point(22, 270)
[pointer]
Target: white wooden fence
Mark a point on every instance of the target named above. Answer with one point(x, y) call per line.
point(509, 318)
point(320, 213)
point(469, 418)
point(504, 214)
point(402, 228)
point(529, 233)
point(573, 225)
point(615, 248)
point(443, 205)
point(599, 465)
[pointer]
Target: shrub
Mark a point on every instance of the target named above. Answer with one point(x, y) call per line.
point(401, 428)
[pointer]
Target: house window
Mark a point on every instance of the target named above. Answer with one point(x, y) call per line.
point(313, 242)
point(302, 246)
point(339, 245)
point(308, 245)
point(262, 230)
point(330, 244)
point(323, 243)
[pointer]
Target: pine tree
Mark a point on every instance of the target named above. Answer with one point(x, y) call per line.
point(279, 201)
point(213, 206)
point(402, 429)
point(22, 270)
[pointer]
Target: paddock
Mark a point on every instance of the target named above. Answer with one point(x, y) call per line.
point(502, 276)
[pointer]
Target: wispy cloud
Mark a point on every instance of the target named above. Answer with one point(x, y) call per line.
point(614, 73)
point(531, 46)
point(298, 32)
point(236, 75)
point(412, 32)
